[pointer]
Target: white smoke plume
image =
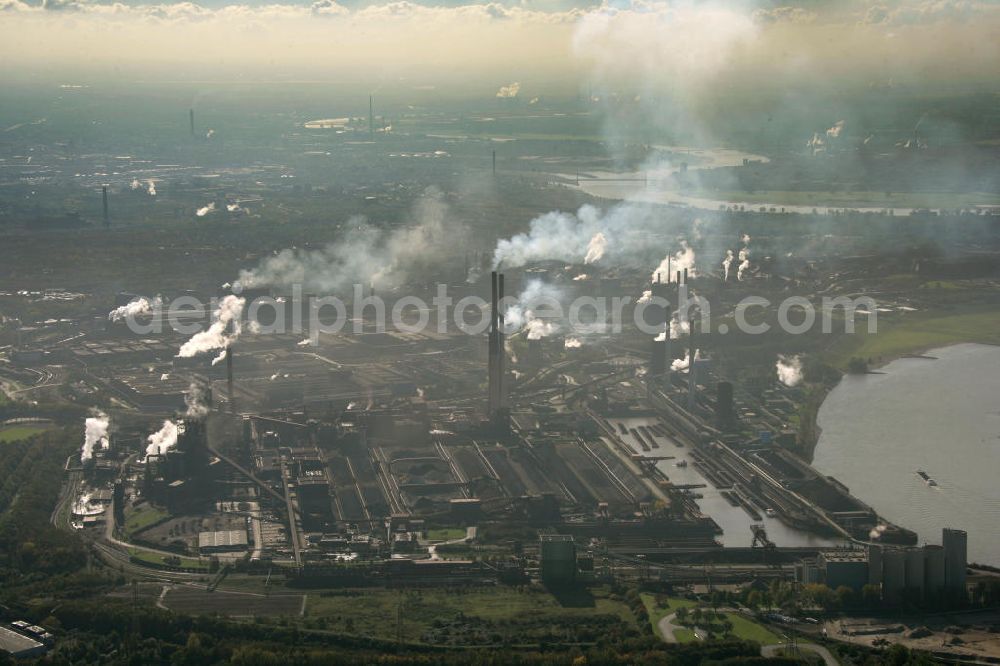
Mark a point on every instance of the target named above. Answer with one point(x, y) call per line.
point(581, 277)
point(647, 297)
point(206, 209)
point(661, 337)
point(877, 531)
point(95, 433)
point(233, 208)
point(197, 400)
point(726, 264)
point(680, 260)
point(744, 257)
point(151, 189)
point(681, 364)
point(572, 343)
point(508, 91)
point(834, 132)
point(624, 231)
point(224, 330)
point(533, 311)
point(595, 248)
point(163, 439)
point(135, 307)
point(135, 184)
point(221, 357)
point(678, 327)
point(366, 254)
point(789, 369)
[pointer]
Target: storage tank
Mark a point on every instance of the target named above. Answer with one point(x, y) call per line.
point(933, 569)
point(955, 544)
point(915, 570)
point(874, 565)
point(893, 574)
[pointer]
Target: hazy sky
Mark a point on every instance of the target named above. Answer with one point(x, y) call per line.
point(643, 46)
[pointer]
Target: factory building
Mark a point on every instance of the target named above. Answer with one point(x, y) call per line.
point(844, 569)
point(558, 559)
point(18, 645)
point(224, 541)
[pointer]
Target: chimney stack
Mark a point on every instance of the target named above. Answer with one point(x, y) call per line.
point(497, 355)
point(229, 379)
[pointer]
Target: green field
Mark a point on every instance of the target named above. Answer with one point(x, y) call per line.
point(373, 612)
point(657, 612)
point(915, 333)
point(18, 432)
point(445, 534)
point(141, 518)
point(743, 627)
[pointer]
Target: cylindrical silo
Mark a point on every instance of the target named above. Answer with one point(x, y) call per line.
point(933, 569)
point(893, 574)
point(915, 570)
point(874, 564)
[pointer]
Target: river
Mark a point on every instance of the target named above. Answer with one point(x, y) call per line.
point(941, 416)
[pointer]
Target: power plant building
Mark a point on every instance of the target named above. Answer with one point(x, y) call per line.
point(558, 558)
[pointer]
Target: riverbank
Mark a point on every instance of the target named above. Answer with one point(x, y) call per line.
point(916, 335)
point(936, 416)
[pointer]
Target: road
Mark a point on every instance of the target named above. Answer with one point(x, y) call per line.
point(667, 628)
point(828, 658)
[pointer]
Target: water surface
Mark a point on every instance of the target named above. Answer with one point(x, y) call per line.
point(941, 416)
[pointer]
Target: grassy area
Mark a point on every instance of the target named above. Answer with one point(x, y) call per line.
point(419, 610)
point(914, 333)
point(749, 630)
point(657, 612)
point(743, 627)
point(18, 432)
point(141, 518)
point(446, 534)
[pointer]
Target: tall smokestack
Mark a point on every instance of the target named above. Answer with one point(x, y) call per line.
point(229, 379)
point(693, 353)
point(191, 114)
point(497, 356)
point(685, 276)
point(501, 351)
point(371, 115)
point(104, 198)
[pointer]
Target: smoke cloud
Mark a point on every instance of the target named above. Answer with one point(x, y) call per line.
point(224, 330)
point(367, 255)
point(135, 307)
point(163, 439)
point(95, 433)
point(789, 369)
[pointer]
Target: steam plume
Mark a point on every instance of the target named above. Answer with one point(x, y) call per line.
point(595, 248)
point(789, 369)
point(163, 439)
point(224, 330)
point(95, 433)
point(137, 306)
